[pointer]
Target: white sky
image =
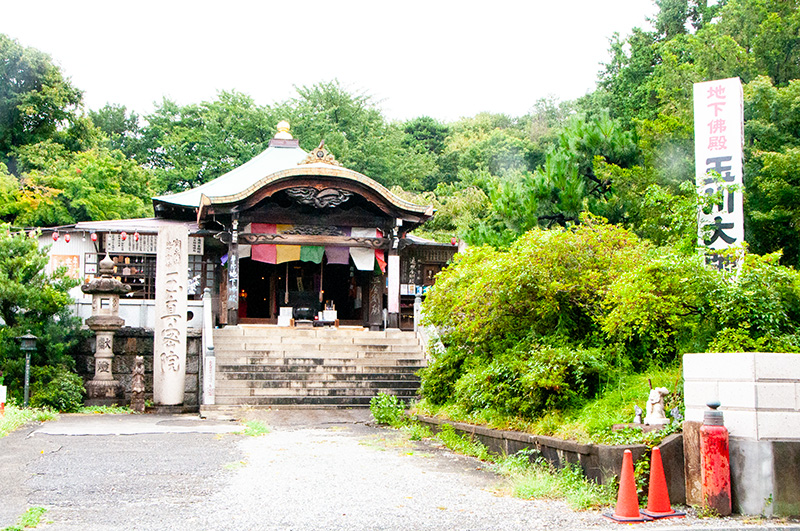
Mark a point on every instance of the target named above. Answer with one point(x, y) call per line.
point(437, 58)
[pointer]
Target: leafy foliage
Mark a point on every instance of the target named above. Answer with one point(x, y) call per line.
point(57, 389)
point(387, 409)
point(540, 327)
point(31, 299)
point(36, 101)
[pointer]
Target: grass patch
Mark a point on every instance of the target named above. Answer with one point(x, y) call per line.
point(463, 444)
point(589, 422)
point(16, 417)
point(29, 520)
point(541, 480)
point(537, 479)
point(416, 431)
point(105, 410)
point(254, 428)
point(235, 465)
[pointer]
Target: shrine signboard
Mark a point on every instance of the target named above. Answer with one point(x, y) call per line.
point(719, 139)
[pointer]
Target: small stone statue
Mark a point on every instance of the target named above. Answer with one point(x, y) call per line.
point(137, 385)
point(637, 419)
point(676, 415)
point(656, 415)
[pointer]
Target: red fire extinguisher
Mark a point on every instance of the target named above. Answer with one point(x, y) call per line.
point(715, 463)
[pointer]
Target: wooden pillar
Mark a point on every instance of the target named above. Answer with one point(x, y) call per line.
point(233, 273)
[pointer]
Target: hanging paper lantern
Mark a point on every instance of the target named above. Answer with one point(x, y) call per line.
point(94, 236)
point(124, 235)
point(84, 237)
point(55, 236)
point(136, 236)
point(67, 237)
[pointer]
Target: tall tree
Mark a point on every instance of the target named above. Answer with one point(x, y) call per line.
point(37, 102)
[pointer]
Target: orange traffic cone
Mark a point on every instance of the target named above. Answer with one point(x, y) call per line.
point(658, 496)
point(627, 510)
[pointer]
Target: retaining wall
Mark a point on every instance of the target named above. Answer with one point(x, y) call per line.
point(600, 462)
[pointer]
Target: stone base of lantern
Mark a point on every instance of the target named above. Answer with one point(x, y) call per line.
point(104, 393)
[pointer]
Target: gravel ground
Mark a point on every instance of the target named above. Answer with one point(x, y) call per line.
point(314, 470)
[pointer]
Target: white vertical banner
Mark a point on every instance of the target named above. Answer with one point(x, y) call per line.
point(169, 355)
point(394, 282)
point(719, 141)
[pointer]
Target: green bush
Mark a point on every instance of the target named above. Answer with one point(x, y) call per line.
point(438, 379)
point(528, 383)
point(57, 389)
point(387, 409)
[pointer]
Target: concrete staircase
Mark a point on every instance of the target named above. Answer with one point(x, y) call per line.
point(269, 366)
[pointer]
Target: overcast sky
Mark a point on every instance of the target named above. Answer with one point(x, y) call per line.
point(437, 58)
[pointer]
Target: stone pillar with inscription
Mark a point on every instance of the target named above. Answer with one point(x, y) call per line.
point(169, 355)
point(105, 290)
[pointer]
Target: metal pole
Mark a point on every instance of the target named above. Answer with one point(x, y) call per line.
point(27, 376)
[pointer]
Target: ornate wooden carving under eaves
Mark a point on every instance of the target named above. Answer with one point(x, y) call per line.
point(314, 230)
point(312, 239)
point(325, 198)
point(320, 154)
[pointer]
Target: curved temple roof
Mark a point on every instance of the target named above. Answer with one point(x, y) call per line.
point(275, 169)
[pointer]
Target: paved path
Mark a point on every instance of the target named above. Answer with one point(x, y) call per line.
point(314, 470)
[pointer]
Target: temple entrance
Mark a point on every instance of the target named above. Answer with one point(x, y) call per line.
point(264, 288)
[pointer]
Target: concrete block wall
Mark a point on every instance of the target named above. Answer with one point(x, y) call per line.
point(760, 399)
point(759, 392)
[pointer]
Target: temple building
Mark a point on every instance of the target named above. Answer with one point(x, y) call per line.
point(288, 229)
point(225, 276)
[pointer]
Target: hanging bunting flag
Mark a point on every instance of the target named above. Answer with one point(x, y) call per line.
point(339, 255)
point(312, 253)
point(266, 253)
point(363, 257)
point(286, 253)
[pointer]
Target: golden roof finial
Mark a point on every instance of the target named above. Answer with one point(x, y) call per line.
point(283, 131)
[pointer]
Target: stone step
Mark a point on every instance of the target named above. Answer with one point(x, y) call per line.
point(295, 376)
point(320, 333)
point(325, 388)
point(355, 365)
point(248, 343)
point(302, 401)
point(366, 359)
point(268, 366)
point(277, 351)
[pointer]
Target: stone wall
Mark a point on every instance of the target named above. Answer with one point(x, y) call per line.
point(132, 342)
point(760, 397)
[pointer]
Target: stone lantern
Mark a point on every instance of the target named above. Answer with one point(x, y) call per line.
point(105, 320)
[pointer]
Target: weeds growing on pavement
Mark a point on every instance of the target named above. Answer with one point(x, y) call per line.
point(105, 410)
point(16, 417)
point(254, 428)
point(541, 480)
point(29, 519)
point(463, 444)
point(416, 431)
point(387, 409)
